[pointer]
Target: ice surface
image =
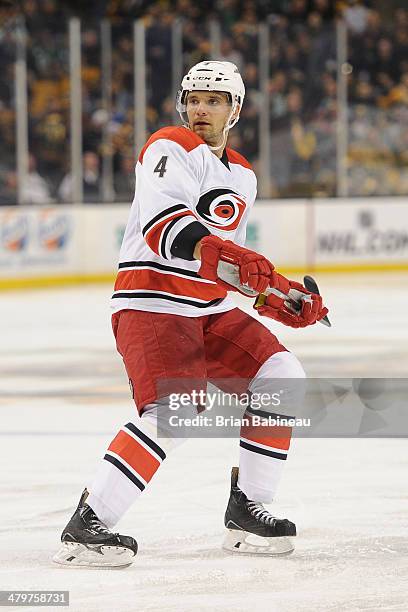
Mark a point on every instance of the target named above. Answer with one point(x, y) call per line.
point(63, 394)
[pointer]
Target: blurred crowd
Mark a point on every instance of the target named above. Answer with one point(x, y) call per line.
point(302, 90)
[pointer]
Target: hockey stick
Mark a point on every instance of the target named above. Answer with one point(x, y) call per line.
point(293, 301)
point(311, 285)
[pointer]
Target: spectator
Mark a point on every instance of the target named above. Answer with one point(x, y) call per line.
point(385, 59)
point(35, 189)
point(229, 12)
point(229, 54)
point(297, 11)
point(302, 87)
point(125, 180)
point(325, 8)
point(277, 91)
point(8, 188)
point(91, 181)
point(158, 50)
point(355, 15)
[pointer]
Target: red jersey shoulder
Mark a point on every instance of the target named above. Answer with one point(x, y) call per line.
point(236, 158)
point(183, 136)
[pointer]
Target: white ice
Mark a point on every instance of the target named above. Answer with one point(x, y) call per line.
point(63, 394)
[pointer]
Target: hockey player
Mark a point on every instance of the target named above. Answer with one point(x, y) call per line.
point(174, 321)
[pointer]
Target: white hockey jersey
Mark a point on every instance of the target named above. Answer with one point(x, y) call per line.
point(183, 192)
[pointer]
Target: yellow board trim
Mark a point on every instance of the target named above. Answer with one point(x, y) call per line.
point(79, 279)
point(343, 268)
point(54, 281)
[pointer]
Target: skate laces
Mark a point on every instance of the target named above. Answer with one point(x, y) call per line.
point(94, 523)
point(260, 513)
point(98, 526)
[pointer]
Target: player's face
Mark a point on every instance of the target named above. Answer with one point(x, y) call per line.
point(208, 112)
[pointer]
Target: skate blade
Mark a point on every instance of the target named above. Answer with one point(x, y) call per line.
point(245, 543)
point(73, 554)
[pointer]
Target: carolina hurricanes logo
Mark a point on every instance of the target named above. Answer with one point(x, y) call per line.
point(221, 208)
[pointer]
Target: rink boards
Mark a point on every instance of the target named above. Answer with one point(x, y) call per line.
point(74, 243)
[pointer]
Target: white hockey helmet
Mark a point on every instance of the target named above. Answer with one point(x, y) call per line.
point(213, 76)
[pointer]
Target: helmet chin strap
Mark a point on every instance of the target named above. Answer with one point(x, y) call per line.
point(224, 140)
point(225, 131)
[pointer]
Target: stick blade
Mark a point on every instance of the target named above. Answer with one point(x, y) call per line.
point(311, 285)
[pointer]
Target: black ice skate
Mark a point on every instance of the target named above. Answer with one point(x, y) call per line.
point(252, 529)
point(87, 542)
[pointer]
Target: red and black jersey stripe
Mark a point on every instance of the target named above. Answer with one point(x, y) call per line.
point(157, 230)
point(147, 279)
point(163, 213)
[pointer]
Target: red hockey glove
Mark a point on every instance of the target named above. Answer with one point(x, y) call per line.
point(255, 270)
point(312, 309)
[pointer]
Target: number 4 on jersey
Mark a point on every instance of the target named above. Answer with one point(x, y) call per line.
point(161, 166)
